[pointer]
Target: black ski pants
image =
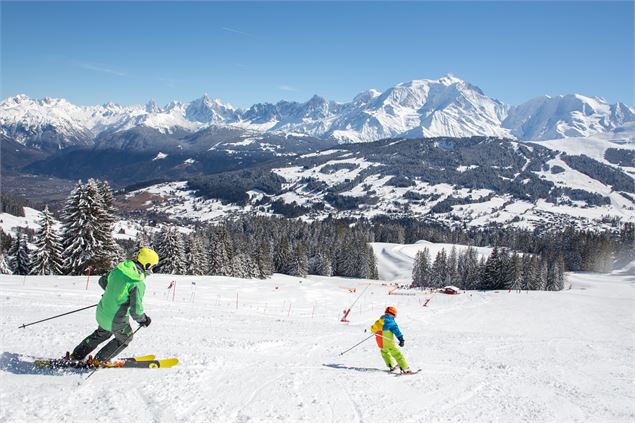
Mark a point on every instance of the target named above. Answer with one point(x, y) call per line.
point(123, 336)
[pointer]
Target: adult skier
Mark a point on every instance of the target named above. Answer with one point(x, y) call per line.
point(384, 329)
point(123, 287)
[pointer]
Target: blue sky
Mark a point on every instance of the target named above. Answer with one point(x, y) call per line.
point(245, 53)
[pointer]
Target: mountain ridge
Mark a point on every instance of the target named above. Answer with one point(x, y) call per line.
point(448, 106)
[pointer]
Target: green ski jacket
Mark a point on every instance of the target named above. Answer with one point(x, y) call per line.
point(124, 287)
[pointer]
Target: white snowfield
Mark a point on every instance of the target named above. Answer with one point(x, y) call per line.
point(395, 261)
point(269, 351)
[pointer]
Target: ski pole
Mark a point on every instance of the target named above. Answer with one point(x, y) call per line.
point(55, 317)
point(359, 343)
point(124, 345)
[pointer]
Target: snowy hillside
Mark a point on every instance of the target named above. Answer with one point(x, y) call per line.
point(447, 106)
point(566, 116)
point(395, 261)
point(10, 223)
point(474, 182)
point(263, 351)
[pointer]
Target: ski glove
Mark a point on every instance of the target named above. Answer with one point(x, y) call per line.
point(401, 341)
point(146, 322)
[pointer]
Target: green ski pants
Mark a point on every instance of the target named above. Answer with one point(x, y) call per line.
point(390, 351)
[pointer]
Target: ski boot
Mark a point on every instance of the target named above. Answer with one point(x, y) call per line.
point(392, 368)
point(405, 371)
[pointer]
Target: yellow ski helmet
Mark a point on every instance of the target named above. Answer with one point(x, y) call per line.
point(147, 258)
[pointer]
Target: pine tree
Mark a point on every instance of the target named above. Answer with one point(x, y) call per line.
point(492, 272)
point(535, 275)
point(143, 239)
point(372, 264)
point(421, 268)
point(220, 262)
point(320, 264)
point(171, 253)
point(347, 260)
point(516, 273)
point(559, 273)
point(12, 252)
point(505, 270)
point(47, 256)
point(195, 259)
point(526, 277)
point(468, 269)
point(22, 259)
point(440, 269)
point(264, 260)
point(240, 268)
point(481, 283)
point(253, 270)
point(110, 247)
point(85, 242)
point(452, 276)
point(299, 262)
point(282, 256)
point(4, 266)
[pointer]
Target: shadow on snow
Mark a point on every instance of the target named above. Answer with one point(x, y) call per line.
point(23, 365)
point(357, 369)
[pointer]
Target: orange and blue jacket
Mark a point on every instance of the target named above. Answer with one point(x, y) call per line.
point(384, 328)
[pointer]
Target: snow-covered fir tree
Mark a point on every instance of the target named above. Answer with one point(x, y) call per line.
point(220, 261)
point(171, 253)
point(299, 262)
point(536, 275)
point(516, 273)
point(4, 266)
point(440, 269)
point(264, 259)
point(492, 271)
point(452, 276)
point(372, 264)
point(143, 239)
point(195, 256)
point(86, 240)
point(14, 244)
point(240, 266)
point(421, 270)
point(108, 220)
point(320, 264)
point(22, 258)
point(282, 255)
point(47, 258)
point(468, 269)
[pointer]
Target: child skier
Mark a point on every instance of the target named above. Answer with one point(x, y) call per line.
point(384, 328)
point(123, 296)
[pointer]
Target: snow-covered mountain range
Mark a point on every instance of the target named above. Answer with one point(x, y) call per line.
point(447, 106)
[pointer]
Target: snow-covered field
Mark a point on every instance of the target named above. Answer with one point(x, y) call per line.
point(395, 261)
point(264, 351)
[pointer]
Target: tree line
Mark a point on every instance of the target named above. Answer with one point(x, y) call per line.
point(257, 246)
point(83, 240)
point(501, 270)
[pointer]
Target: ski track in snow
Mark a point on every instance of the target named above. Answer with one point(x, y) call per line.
point(485, 356)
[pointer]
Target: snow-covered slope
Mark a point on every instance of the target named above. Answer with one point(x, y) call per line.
point(269, 350)
point(10, 224)
point(573, 115)
point(447, 106)
point(475, 182)
point(616, 148)
point(395, 261)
